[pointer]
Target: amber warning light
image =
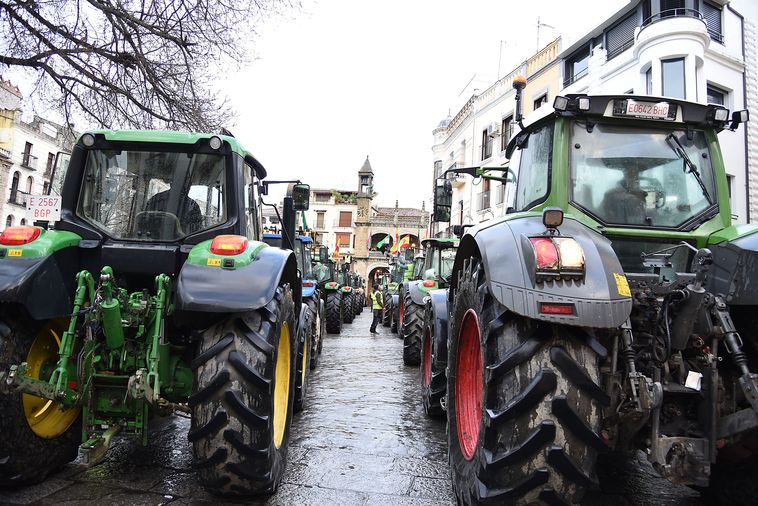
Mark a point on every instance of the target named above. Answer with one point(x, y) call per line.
point(228, 245)
point(15, 236)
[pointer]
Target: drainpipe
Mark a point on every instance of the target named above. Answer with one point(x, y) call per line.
point(744, 106)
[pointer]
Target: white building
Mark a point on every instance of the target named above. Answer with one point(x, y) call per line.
point(698, 50)
point(331, 215)
point(27, 155)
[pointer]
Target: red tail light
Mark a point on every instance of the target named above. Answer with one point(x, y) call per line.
point(15, 236)
point(429, 283)
point(308, 283)
point(228, 245)
point(546, 252)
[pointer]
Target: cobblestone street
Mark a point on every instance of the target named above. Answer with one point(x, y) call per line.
point(362, 440)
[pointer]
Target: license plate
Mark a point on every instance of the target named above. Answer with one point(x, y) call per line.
point(648, 110)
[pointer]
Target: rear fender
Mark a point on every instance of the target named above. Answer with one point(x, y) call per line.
point(734, 273)
point(439, 322)
point(416, 295)
point(205, 287)
point(601, 298)
point(41, 275)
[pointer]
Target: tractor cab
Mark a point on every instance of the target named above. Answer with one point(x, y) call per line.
point(438, 263)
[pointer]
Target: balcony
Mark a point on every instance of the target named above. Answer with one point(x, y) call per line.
point(18, 198)
point(336, 224)
point(483, 201)
point(29, 161)
point(457, 179)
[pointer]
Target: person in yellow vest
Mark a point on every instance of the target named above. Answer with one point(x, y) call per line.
point(377, 303)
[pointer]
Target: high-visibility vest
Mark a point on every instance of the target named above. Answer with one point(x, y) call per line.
point(376, 300)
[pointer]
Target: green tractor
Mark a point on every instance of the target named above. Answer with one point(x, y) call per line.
point(332, 299)
point(146, 291)
point(613, 307)
point(390, 294)
point(359, 293)
point(348, 297)
point(433, 273)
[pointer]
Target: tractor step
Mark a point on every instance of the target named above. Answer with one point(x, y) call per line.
point(93, 450)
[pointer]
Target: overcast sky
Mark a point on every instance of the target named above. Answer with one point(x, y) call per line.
point(339, 80)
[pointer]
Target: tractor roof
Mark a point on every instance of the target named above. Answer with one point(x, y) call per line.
point(442, 242)
point(167, 136)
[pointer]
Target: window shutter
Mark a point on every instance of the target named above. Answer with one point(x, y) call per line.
point(620, 37)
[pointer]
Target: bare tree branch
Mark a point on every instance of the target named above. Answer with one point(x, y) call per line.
point(132, 63)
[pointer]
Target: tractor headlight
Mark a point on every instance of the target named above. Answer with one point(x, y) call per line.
point(215, 142)
point(88, 140)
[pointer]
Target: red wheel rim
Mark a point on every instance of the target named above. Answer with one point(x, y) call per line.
point(402, 314)
point(468, 385)
point(427, 358)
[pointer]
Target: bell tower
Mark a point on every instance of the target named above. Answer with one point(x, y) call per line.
point(363, 218)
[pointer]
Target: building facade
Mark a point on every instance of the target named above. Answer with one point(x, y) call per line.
point(698, 50)
point(27, 155)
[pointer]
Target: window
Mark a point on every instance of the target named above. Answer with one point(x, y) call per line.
point(437, 168)
point(320, 219)
point(620, 37)
point(541, 100)
point(534, 168)
point(346, 219)
point(50, 162)
point(343, 239)
point(673, 78)
point(322, 197)
point(14, 187)
point(22, 222)
point(577, 66)
point(500, 194)
point(506, 130)
point(729, 183)
point(9, 221)
point(251, 216)
point(716, 95)
point(649, 81)
point(712, 15)
point(45, 188)
point(486, 145)
point(26, 159)
point(672, 8)
point(29, 185)
point(484, 196)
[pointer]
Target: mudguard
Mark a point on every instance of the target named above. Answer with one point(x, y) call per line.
point(308, 291)
point(41, 275)
point(734, 273)
point(210, 288)
point(601, 298)
point(417, 296)
point(437, 300)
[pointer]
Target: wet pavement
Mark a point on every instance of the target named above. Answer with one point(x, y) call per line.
point(362, 439)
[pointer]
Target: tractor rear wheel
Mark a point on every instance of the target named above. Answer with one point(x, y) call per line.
point(243, 399)
point(37, 437)
point(347, 301)
point(393, 317)
point(412, 328)
point(303, 365)
point(433, 379)
point(333, 312)
point(523, 405)
point(317, 329)
point(387, 308)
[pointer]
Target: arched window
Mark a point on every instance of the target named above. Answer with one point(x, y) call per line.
point(14, 186)
point(22, 222)
point(29, 185)
point(9, 221)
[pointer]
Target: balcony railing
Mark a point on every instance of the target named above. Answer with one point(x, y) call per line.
point(29, 161)
point(673, 13)
point(484, 201)
point(336, 224)
point(18, 198)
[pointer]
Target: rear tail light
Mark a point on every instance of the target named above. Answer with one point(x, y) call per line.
point(557, 256)
point(546, 253)
point(308, 283)
point(429, 283)
point(15, 236)
point(228, 245)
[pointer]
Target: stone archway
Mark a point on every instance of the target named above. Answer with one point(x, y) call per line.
point(373, 270)
point(378, 237)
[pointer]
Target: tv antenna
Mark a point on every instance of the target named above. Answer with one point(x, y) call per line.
point(540, 24)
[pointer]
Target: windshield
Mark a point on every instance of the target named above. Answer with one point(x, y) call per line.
point(440, 261)
point(152, 196)
point(630, 176)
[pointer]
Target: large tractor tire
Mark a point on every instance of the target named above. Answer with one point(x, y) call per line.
point(243, 400)
point(734, 482)
point(36, 436)
point(524, 403)
point(387, 308)
point(303, 366)
point(433, 379)
point(333, 312)
point(347, 304)
point(412, 324)
point(317, 329)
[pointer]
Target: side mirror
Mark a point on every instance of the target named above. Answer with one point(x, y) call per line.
point(443, 200)
point(409, 254)
point(323, 254)
point(301, 195)
point(59, 173)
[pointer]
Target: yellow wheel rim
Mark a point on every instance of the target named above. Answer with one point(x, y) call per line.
point(306, 347)
point(282, 385)
point(45, 417)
